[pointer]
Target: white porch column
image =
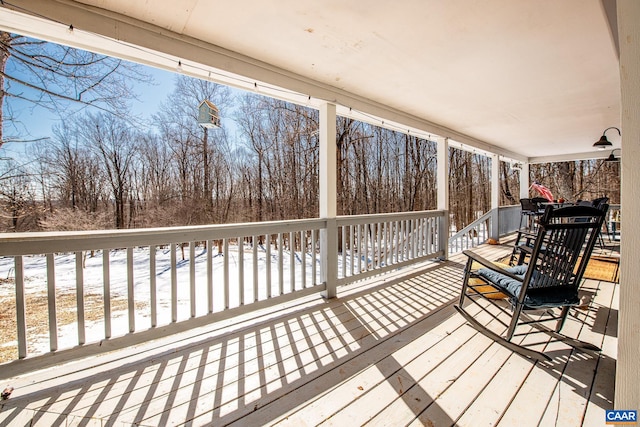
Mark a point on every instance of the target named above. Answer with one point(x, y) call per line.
point(443, 193)
point(328, 199)
point(524, 181)
point(495, 197)
point(627, 393)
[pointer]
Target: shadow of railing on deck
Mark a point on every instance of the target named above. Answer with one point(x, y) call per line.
point(270, 370)
point(246, 373)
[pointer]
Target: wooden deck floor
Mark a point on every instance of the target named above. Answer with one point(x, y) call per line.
point(387, 353)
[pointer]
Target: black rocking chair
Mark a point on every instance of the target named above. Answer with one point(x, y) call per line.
point(548, 283)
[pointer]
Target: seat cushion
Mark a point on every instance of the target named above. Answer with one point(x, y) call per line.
point(547, 297)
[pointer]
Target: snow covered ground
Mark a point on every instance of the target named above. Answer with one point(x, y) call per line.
point(35, 272)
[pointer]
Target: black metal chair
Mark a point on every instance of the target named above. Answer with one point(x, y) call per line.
point(599, 203)
point(530, 212)
point(538, 201)
point(548, 283)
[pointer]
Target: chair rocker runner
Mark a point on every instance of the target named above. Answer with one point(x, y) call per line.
point(548, 284)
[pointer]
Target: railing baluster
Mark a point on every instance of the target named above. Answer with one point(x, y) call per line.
point(351, 249)
point(268, 260)
point(292, 261)
point(373, 247)
point(174, 284)
point(420, 237)
point(383, 242)
point(403, 238)
point(379, 240)
point(344, 251)
point(363, 247)
point(226, 272)
point(303, 255)
point(397, 250)
point(407, 237)
point(106, 290)
point(51, 302)
point(280, 267)
point(314, 259)
point(423, 236)
point(192, 277)
point(397, 240)
point(80, 298)
point(429, 230)
point(426, 249)
point(254, 239)
point(21, 311)
point(365, 230)
point(209, 244)
point(130, 291)
point(412, 239)
point(153, 286)
point(359, 246)
point(429, 234)
point(241, 268)
point(408, 244)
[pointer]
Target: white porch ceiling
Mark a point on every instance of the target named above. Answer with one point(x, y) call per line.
point(524, 78)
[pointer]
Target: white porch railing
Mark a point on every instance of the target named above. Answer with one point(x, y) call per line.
point(479, 231)
point(130, 286)
point(374, 244)
point(472, 235)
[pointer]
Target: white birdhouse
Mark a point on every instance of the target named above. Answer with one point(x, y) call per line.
point(208, 115)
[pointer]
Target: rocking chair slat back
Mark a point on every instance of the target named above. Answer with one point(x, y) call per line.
point(550, 280)
point(563, 246)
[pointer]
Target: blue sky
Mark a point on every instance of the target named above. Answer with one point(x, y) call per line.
point(39, 121)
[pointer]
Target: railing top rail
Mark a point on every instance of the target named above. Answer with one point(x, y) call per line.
point(393, 216)
point(471, 226)
point(12, 244)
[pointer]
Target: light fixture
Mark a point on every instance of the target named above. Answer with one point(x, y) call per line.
point(603, 143)
point(613, 158)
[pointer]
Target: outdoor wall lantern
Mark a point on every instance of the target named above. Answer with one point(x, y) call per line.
point(603, 143)
point(613, 158)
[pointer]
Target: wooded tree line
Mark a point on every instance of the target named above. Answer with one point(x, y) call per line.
point(100, 171)
point(103, 168)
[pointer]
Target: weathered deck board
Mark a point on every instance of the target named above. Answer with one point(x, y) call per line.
point(388, 352)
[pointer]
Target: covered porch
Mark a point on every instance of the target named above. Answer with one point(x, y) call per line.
point(394, 339)
point(391, 350)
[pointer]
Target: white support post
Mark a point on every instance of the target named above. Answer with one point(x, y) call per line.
point(524, 181)
point(443, 193)
point(627, 392)
point(495, 197)
point(328, 199)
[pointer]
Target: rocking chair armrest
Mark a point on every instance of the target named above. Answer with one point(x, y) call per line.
point(490, 265)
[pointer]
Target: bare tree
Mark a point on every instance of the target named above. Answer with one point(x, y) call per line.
point(52, 76)
point(183, 106)
point(18, 208)
point(75, 169)
point(114, 144)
